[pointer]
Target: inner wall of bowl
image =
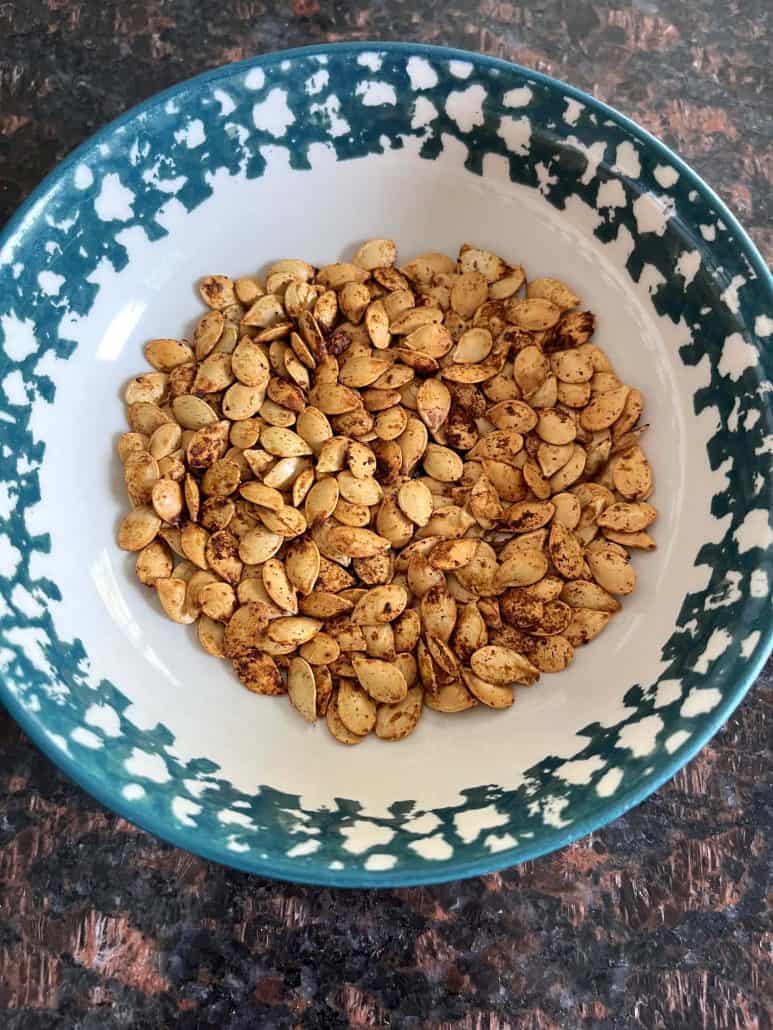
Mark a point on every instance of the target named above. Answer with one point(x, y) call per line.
point(160, 666)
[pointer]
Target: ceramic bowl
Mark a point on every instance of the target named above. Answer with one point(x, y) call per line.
point(307, 153)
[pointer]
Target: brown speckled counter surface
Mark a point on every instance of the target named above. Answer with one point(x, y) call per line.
point(660, 919)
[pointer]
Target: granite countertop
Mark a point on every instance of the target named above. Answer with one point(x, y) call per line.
point(660, 919)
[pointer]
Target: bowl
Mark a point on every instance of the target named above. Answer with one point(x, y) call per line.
point(307, 153)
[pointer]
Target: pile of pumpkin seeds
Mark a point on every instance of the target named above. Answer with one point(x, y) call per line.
point(376, 489)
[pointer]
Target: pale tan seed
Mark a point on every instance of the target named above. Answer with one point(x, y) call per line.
point(153, 562)
point(302, 564)
point(493, 695)
point(172, 593)
point(586, 594)
point(415, 501)
point(356, 709)
point(396, 721)
point(585, 625)
point(473, 347)
point(138, 529)
point(380, 605)
point(522, 569)
point(568, 510)
point(361, 460)
point(322, 649)
point(164, 354)
point(627, 517)
point(632, 474)
point(432, 340)
point(611, 568)
point(530, 370)
point(356, 542)
point(258, 545)
point(553, 290)
point(359, 490)
point(313, 426)
point(150, 387)
point(551, 654)
point(433, 403)
point(451, 555)
point(302, 688)
point(336, 726)
point(442, 463)
point(450, 699)
point(278, 586)
point(604, 409)
point(211, 636)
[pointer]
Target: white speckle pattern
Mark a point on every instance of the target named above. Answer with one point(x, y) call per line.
point(80, 735)
point(273, 115)
point(18, 336)
point(421, 73)
point(580, 770)
point(611, 194)
point(183, 809)
point(730, 294)
point(749, 643)
point(255, 79)
point(104, 718)
point(470, 823)
point(424, 112)
point(133, 792)
point(331, 109)
point(375, 94)
point(668, 692)
point(754, 531)
point(593, 154)
point(433, 849)
point(380, 863)
point(640, 737)
point(317, 82)
point(305, 847)
point(192, 135)
point(114, 200)
point(50, 283)
point(520, 97)
point(460, 69)
point(676, 740)
point(362, 835)
point(228, 817)
point(227, 105)
point(718, 643)
point(465, 107)
point(763, 325)
point(516, 132)
point(737, 356)
point(500, 842)
point(652, 213)
point(666, 175)
point(699, 701)
point(758, 585)
point(146, 766)
point(83, 177)
point(609, 783)
point(627, 160)
point(688, 264)
point(370, 60)
point(423, 824)
point(573, 110)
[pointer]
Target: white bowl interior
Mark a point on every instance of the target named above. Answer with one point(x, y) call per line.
point(321, 214)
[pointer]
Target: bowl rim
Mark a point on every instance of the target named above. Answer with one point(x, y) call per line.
point(320, 874)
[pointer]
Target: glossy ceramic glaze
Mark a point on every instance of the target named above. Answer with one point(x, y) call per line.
point(306, 154)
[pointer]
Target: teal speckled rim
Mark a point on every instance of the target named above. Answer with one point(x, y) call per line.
point(462, 864)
